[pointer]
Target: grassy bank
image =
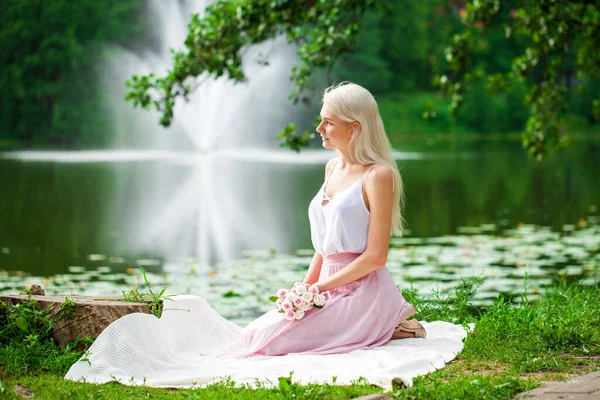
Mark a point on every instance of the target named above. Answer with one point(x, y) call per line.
point(513, 348)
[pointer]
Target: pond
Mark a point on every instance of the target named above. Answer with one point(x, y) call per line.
point(233, 227)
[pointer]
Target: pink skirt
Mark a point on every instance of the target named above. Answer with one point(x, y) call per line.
point(359, 315)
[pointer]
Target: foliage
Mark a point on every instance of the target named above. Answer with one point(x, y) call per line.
point(20, 359)
point(26, 342)
point(402, 114)
point(387, 46)
point(154, 301)
point(365, 61)
point(560, 37)
point(289, 139)
point(564, 321)
point(397, 51)
point(52, 97)
point(321, 29)
point(25, 322)
point(439, 307)
point(464, 386)
point(555, 336)
point(552, 339)
point(53, 386)
point(48, 66)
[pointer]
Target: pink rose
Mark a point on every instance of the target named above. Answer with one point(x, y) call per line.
point(290, 315)
point(299, 314)
point(320, 300)
point(291, 296)
point(307, 297)
point(313, 290)
point(299, 290)
point(281, 293)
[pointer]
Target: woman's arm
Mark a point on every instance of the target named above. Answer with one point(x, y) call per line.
point(380, 195)
point(315, 268)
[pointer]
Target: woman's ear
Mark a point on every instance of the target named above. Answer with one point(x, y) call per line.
point(356, 128)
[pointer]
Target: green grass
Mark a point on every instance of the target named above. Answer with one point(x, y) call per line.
point(54, 387)
point(513, 348)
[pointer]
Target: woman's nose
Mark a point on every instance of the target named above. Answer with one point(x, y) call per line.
point(319, 128)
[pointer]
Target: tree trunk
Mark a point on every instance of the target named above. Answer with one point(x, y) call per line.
point(90, 316)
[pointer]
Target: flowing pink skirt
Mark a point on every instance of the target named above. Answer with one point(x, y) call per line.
point(359, 315)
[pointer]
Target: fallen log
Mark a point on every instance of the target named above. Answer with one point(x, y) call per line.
point(88, 316)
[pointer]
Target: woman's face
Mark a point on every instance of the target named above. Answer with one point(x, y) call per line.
point(335, 133)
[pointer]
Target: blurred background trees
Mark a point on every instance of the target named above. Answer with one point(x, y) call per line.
point(537, 59)
point(50, 92)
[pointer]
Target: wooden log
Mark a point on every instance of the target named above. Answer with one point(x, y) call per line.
point(91, 314)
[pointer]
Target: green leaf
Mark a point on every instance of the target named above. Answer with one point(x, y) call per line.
point(285, 385)
point(22, 324)
point(231, 293)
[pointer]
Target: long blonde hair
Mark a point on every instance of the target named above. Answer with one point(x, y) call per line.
point(351, 103)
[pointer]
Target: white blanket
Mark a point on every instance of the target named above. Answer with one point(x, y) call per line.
point(180, 348)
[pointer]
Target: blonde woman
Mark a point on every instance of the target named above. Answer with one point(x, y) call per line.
point(351, 219)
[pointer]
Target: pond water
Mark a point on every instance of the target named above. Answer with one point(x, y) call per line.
point(234, 227)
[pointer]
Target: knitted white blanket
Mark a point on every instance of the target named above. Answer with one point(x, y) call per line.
point(179, 350)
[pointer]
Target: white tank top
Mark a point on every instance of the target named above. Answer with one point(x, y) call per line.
point(341, 225)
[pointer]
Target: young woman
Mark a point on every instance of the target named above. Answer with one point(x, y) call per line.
point(351, 219)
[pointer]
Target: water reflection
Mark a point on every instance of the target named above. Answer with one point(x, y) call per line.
point(176, 212)
point(166, 205)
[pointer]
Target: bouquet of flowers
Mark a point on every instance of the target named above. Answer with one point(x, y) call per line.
point(298, 300)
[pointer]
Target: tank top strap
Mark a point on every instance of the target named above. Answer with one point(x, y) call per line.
point(327, 179)
point(369, 170)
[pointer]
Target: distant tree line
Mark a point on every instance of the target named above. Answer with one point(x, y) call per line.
point(49, 91)
point(505, 66)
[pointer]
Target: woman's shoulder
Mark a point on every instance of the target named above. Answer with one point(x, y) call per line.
point(380, 169)
point(380, 175)
point(330, 165)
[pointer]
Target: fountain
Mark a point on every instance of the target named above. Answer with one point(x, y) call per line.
point(216, 182)
point(220, 114)
point(201, 200)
